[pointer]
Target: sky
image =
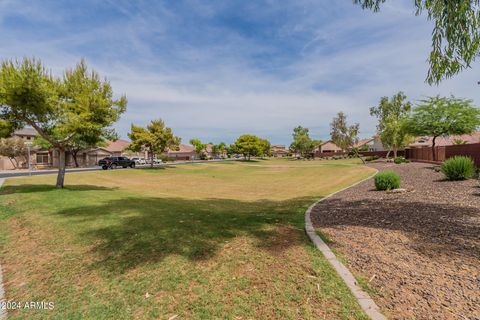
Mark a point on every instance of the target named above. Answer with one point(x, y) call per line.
point(214, 70)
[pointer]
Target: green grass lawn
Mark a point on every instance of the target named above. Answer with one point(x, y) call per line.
point(202, 241)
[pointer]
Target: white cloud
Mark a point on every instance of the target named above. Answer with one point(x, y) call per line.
point(346, 60)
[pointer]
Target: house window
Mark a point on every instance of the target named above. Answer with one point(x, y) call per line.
point(42, 158)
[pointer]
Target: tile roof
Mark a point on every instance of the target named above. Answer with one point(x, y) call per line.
point(183, 148)
point(363, 142)
point(447, 141)
point(329, 145)
point(117, 146)
point(25, 132)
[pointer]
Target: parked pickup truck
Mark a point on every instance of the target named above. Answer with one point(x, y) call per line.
point(115, 162)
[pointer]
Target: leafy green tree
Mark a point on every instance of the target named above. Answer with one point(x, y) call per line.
point(219, 149)
point(6, 129)
point(264, 147)
point(392, 114)
point(441, 116)
point(200, 147)
point(78, 103)
point(343, 135)
point(250, 145)
point(302, 143)
point(155, 139)
point(231, 150)
point(13, 148)
point(455, 35)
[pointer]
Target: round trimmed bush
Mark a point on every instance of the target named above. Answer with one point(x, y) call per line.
point(387, 180)
point(399, 160)
point(458, 168)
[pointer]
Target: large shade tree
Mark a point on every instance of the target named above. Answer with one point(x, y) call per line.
point(250, 145)
point(442, 116)
point(392, 115)
point(302, 143)
point(156, 138)
point(343, 135)
point(455, 35)
point(59, 109)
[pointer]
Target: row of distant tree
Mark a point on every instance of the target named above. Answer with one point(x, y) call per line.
point(157, 139)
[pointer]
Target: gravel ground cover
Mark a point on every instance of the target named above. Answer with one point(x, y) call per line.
point(418, 251)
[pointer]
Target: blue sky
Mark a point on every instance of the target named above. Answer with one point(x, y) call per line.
point(217, 69)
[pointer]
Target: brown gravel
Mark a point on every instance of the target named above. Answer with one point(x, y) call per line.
point(419, 249)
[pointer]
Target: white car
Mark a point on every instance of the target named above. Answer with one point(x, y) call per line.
point(139, 160)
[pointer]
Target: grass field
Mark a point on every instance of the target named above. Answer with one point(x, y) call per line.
point(203, 241)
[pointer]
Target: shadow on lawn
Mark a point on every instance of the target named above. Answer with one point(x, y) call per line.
point(435, 229)
point(148, 229)
point(33, 188)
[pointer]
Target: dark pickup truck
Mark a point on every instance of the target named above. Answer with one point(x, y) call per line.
point(115, 162)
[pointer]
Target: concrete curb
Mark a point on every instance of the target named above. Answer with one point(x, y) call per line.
point(365, 301)
point(3, 312)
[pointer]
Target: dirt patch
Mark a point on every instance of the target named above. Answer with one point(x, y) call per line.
point(419, 249)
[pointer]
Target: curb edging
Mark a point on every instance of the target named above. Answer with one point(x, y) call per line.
point(364, 300)
point(3, 311)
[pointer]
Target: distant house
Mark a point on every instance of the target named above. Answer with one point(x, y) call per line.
point(446, 140)
point(377, 144)
point(367, 144)
point(25, 133)
point(278, 150)
point(48, 158)
point(185, 152)
point(328, 146)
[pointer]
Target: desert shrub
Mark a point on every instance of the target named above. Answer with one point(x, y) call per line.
point(387, 180)
point(399, 160)
point(372, 158)
point(458, 168)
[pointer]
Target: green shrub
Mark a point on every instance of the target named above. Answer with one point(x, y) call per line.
point(458, 168)
point(399, 160)
point(372, 158)
point(387, 180)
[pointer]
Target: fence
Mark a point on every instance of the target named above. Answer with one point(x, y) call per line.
point(424, 154)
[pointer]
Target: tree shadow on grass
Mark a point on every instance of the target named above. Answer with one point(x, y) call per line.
point(435, 229)
point(148, 229)
point(34, 188)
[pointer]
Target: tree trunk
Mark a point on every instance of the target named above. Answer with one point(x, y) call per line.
point(358, 155)
point(433, 149)
point(74, 156)
point(151, 159)
point(394, 152)
point(15, 166)
point(61, 168)
point(388, 153)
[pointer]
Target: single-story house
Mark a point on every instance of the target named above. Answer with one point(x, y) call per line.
point(279, 150)
point(328, 146)
point(184, 152)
